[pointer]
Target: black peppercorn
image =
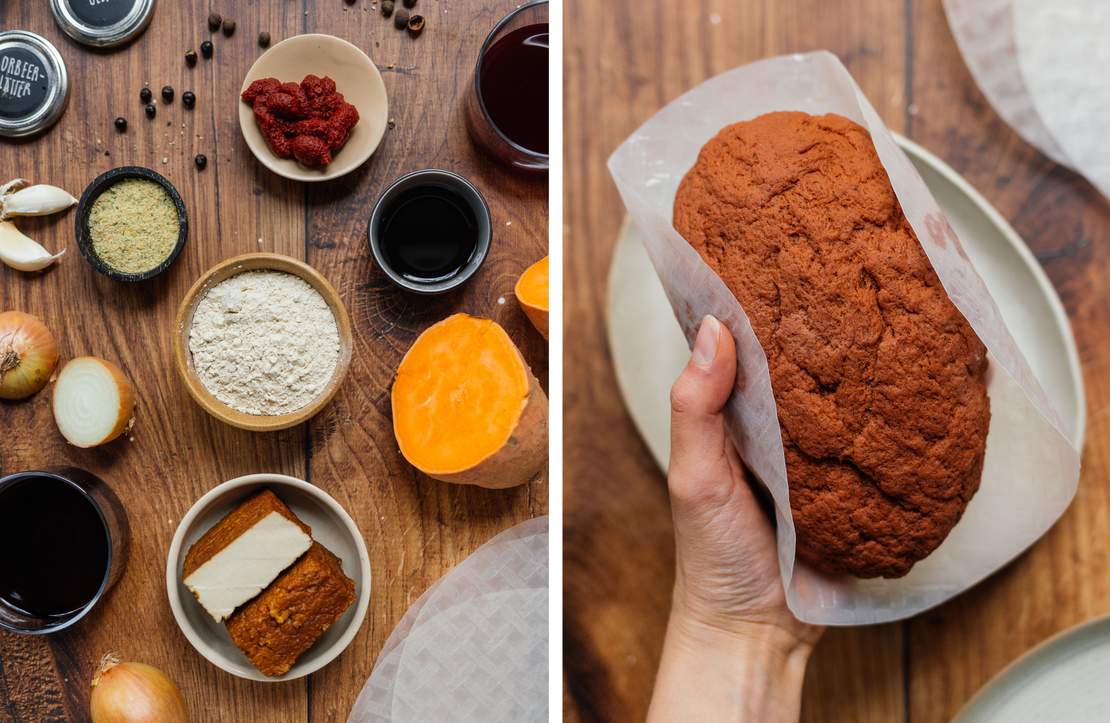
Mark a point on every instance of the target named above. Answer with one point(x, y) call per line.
point(121, 124)
point(145, 95)
point(401, 19)
point(190, 57)
point(188, 99)
point(167, 93)
point(387, 7)
point(416, 25)
point(214, 21)
point(229, 28)
point(264, 39)
point(409, 3)
point(206, 48)
point(201, 160)
point(150, 110)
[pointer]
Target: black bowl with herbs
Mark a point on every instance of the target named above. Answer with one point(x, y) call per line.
point(131, 224)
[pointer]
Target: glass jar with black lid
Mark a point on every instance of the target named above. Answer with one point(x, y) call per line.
point(34, 84)
point(102, 23)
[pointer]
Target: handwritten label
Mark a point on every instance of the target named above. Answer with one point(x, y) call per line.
point(23, 82)
point(101, 13)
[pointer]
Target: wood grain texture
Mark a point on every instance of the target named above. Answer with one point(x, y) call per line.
point(415, 528)
point(624, 60)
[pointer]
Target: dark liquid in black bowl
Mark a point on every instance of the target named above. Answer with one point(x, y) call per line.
point(514, 86)
point(428, 234)
point(55, 548)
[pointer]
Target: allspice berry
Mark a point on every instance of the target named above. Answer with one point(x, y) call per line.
point(409, 3)
point(206, 48)
point(416, 25)
point(214, 22)
point(387, 7)
point(229, 28)
point(401, 19)
point(264, 39)
point(190, 57)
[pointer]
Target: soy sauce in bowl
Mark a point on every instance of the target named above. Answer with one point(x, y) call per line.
point(429, 233)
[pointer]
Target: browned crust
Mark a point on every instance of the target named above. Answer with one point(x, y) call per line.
point(521, 458)
point(278, 626)
point(238, 521)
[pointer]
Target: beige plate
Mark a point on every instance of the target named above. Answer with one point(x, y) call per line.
point(331, 526)
point(355, 76)
point(184, 360)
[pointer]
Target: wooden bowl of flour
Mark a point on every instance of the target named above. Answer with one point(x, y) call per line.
point(183, 357)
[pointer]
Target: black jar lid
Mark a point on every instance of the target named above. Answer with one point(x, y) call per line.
point(102, 23)
point(34, 84)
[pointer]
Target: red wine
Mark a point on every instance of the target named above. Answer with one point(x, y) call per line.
point(56, 547)
point(513, 82)
point(429, 234)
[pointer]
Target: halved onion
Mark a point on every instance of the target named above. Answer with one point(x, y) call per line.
point(93, 402)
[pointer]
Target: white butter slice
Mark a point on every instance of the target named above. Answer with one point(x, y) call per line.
point(247, 565)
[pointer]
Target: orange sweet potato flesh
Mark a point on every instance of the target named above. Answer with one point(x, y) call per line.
point(466, 407)
point(531, 292)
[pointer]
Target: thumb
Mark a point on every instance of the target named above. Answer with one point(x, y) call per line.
point(699, 465)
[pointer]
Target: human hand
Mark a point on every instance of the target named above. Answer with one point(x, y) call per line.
point(734, 651)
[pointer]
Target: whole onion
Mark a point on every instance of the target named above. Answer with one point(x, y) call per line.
point(134, 693)
point(28, 355)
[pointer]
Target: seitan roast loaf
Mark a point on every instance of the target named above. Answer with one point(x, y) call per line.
point(879, 380)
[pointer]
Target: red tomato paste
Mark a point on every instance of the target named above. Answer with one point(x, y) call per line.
point(309, 121)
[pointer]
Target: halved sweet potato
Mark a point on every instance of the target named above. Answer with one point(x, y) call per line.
point(466, 407)
point(531, 291)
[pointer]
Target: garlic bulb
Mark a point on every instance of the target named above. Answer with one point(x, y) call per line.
point(21, 252)
point(38, 200)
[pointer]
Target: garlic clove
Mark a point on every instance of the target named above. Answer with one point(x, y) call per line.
point(13, 185)
point(22, 252)
point(38, 200)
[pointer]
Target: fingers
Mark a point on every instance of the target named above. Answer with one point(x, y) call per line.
point(699, 440)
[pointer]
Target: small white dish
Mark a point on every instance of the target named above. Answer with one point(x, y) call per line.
point(355, 76)
point(331, 526)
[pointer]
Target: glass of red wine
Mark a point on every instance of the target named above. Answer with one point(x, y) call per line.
point(65, 537)
point(507, 110)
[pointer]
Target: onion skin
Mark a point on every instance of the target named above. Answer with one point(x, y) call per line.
point(134, 693)
point(28, 355)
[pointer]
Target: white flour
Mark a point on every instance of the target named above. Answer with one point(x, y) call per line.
point(264, 342)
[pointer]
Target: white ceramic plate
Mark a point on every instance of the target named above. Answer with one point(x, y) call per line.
point(649, 350)
point(355, 76)
point(331, 526)
point(1062, 679)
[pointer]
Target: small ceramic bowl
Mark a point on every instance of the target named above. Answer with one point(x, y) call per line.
point(101, 184)
point(444, 179)
point(184, 359)
point(355, 76)
point(331, 526)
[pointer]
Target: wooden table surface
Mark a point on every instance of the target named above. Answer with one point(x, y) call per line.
point(626, 59)
point(416, 529)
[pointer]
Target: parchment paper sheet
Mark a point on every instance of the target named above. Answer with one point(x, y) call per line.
point(474, 646)
point(1031, 469)
point(1043, 66)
